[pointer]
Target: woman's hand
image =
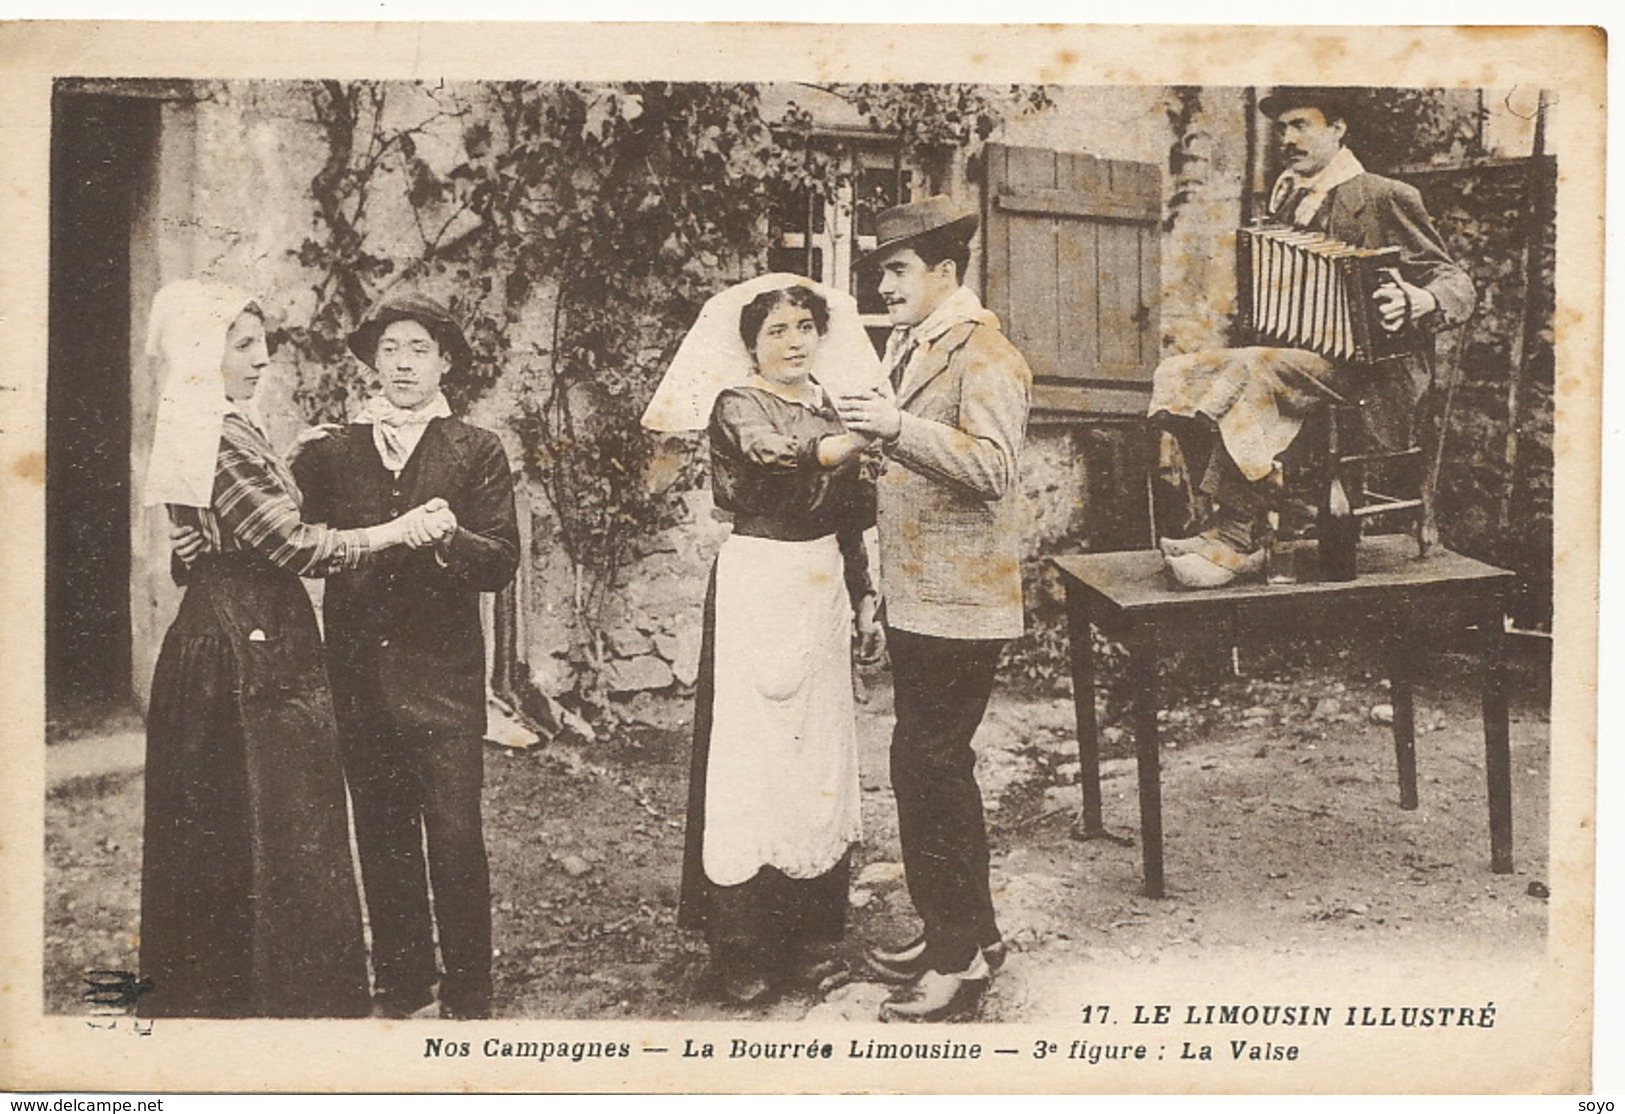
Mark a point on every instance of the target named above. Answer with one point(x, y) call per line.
point(186, 543)
point(837, 449)
point(309, 437)
point(871, 636)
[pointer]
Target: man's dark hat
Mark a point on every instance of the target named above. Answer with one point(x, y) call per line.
point(1334, 101)
point(903, 225)
point(426, 312)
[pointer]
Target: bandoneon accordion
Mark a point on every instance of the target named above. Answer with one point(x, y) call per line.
point(1303, 289)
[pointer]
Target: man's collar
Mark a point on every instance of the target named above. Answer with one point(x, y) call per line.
point(960, 306)
point(1339, 169)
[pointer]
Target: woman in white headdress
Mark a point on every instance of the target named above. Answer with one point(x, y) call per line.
point(773, 796)
point(248, 898)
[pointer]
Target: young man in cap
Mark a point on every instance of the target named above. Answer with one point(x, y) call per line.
point(1234, 411)
point(406, 656)
point(952, 425)
point(406, 653)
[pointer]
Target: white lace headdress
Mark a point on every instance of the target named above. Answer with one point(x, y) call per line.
point(713, 356)
point(187, 332)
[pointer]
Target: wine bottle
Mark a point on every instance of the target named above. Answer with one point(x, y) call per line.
point(1337, 531)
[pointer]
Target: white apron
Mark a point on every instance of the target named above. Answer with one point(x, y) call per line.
point(781, 786)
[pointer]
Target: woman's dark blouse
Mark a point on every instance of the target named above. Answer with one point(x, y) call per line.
point(764, 468)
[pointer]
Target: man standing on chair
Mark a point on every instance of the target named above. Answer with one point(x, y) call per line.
point(950, 573)
point(406, 656)
point(1235, 410)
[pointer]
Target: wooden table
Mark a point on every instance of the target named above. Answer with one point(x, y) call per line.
point(1129, 597)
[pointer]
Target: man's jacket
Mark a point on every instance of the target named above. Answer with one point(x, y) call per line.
point(1370, 211)
point(949, 505)
point(405, 646)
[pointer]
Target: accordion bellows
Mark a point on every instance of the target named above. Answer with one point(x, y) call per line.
point(1306, 290)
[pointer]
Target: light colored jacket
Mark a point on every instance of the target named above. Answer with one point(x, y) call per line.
point(948, 518)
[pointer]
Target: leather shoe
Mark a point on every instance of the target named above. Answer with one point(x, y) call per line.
point(905, 963)
point(901, 953)
point(398, 1005)
point(900, 964)
point(936, 996)
point(819, 974)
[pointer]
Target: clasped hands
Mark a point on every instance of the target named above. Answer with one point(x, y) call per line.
point(874, 413)
point(433, 523)
point(430, 524)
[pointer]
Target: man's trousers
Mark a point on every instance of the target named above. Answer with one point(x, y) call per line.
point(404, 788)
point(942, 687)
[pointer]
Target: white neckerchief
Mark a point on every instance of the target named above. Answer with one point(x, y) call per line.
point(186, 331)
point(1342, 167)
point(960, 306)
point(396, 430)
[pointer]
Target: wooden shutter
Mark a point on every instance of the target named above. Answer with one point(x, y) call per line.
point(1072, 249)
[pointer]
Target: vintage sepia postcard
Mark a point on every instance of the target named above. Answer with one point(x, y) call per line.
point(800, 557)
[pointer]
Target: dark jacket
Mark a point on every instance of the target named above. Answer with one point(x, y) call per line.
point(1370, 211)
point(405, 646)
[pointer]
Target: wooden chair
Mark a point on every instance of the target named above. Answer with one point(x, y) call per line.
point(1383, 484)
point(1407, 476)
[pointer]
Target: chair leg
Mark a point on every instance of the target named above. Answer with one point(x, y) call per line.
point(1427, 526)
point(1433, 425)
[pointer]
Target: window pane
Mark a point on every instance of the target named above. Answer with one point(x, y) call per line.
point(875, 189)
point(797, 261)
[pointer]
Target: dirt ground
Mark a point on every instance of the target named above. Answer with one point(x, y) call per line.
point(1284, 839)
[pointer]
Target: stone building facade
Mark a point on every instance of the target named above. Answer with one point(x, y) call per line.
point(215, 180)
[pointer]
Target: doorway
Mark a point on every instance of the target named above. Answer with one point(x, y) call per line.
point(99, 146)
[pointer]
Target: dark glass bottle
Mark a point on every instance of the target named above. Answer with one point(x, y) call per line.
point(1337, 531)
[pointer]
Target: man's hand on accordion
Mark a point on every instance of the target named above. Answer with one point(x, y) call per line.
point(1400, 304)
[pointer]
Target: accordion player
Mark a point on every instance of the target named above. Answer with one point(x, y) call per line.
point(1343, 252)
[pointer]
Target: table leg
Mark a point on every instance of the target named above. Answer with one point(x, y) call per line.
point(1497, 743)
point(1090, 824)
point(1142, 650)
point(1401, 662)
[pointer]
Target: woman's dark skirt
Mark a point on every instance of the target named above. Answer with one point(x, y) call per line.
point(248, 894)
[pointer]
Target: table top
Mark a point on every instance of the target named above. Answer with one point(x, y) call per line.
point(1386, 564)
